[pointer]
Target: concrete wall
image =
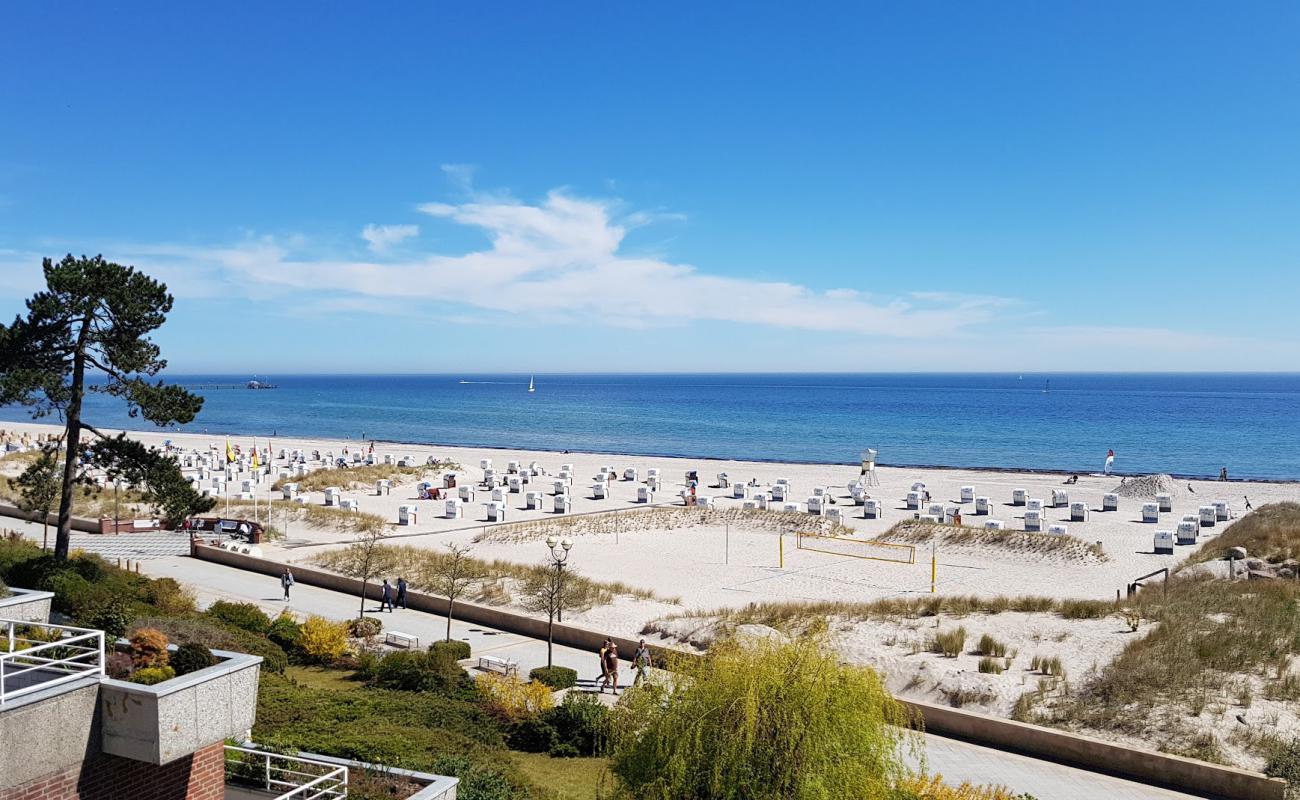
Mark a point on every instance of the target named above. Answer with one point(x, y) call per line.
point(78, 524)
point(170, 720)
point(27, 605)
point(1146, 766)
point(47, 734)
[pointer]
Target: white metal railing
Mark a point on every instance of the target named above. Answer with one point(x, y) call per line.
point(35, 656)
point(291, 777)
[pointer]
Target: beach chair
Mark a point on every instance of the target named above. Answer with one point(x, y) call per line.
point(644, 494)
point(466, 493)
point(599, 490)
point(740, 491)
point(817, 505)
point(533, 501)
point(1208, 516)
point(563, 503)
point(1165, 501)
point(332, 496)
point(968, 494)
point(835, 514)
point(1078, 511)
point(289, 491)
point(914, 500)
point(1060, 498)
point(454, 508)
point(1033, 521)
point(871, 509)
point(1019, 497)
point(496, 512)
point(1222, 511)
point(1057, 529)
point(498, 494)
point(1151, 512)
point(515, 483)
point(994, 525)
point(1186, 533)
point(1110, 502)
point(981, 505)
point(1164, 543)
point(407, 515)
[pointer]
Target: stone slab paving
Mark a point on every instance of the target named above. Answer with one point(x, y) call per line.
point(955, 760)
point(142, 546)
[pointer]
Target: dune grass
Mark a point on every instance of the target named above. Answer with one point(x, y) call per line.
point(662, 519)
point(1022, 543)
point(1270, 532)
point(364, 477)
point(287, 513)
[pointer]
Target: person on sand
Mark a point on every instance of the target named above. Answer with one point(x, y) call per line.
point(604, 673)
point(611, 666)
point(1223, 474)
point(286, 580)
point(956, 518)
point(1248, 505)
point(641, 660)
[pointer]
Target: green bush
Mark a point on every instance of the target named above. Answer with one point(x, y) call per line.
point(169, 597)
point(531, 735)
point(244, 616)
point(950, 643)
point(191, 657)
point(413, 671)
point(555, 677)
point(991, 666)
point(14, 552)
point(454, 649)
point(477, 782)
point(113, 619)
point(582, 722)
point(988, 646)
point(365, 627)
point(181, 630)
point(1284, 762)
point(148, 676)
point(285, 632)
point(4, 590)
point(564, 750)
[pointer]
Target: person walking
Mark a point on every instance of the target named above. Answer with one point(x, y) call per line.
point(401, 592)
point(611, 666)
point(286, 580)
point(386, 599)
point(604, 673)
point(641, 660)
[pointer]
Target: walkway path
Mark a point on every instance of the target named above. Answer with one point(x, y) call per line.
point(957, 761)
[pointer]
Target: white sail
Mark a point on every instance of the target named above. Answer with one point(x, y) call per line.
point(530, 384)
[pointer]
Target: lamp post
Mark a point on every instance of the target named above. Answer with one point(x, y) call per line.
point(559, 554)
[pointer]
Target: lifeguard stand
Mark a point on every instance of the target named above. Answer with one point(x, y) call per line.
point(869, 468)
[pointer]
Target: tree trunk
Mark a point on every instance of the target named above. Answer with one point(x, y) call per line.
point(550, 628)
point(72, 440)
point(364, 583)
point(450, 603)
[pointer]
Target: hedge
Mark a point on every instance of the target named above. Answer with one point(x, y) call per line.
point(454, 649)
point(555, 677)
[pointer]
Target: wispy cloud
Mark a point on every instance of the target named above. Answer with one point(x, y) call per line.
point(562, 259)
point(381, 237)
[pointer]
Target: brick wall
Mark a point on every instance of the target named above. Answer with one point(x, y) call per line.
point(103, 777)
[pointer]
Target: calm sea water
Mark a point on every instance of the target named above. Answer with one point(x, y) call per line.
point(1182, 424)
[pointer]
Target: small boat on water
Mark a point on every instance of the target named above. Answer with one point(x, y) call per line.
point(530, 384)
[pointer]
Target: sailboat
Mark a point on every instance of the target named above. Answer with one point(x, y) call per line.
point(1048, 386)
point(530, 384)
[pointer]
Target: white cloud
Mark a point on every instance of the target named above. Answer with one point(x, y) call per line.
point(381, 237)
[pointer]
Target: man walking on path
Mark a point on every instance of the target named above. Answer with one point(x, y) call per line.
point(401, 591)
point(286, 580)
point(641, 660)
point(604, 671)
point(386, 600)
point(611, 666)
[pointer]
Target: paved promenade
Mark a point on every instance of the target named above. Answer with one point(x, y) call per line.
point(955, 760)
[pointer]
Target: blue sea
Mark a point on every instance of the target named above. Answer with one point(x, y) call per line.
point(1183, 424)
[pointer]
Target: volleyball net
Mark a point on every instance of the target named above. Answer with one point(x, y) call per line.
point(856, 548)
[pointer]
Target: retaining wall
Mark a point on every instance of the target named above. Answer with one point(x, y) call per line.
point(78, 524)
point(1146, 766)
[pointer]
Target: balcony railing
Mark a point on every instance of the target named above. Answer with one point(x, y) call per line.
point(36, 656)
point(287, 777)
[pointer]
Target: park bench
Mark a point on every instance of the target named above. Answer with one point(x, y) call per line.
point(403, 639)
point(497, 664)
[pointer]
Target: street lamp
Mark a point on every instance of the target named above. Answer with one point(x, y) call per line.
point(559, 554)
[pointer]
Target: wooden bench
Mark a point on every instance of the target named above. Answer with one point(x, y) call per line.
point(497, 664)
point(403, 639)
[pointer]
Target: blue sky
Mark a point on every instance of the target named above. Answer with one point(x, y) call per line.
point(539, 187)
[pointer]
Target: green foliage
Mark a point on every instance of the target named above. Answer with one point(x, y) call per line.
point(555, 677)
point(988, 646)
point(213, 635)
point(455, 650)
point(1284, 762)
point(991, 666)
point(12, 553)
point(149, 648)
point(447, 735)
point(763, 719)
point(98, 315)
point(581, 722)
point(151, 675)
point(414, 671)
point(286, 633)
point(1086, 609)
point(531, 735)
point(950, 643)
point(4, 589)
point(40, 484)
point(191, 657)
point(245, 616)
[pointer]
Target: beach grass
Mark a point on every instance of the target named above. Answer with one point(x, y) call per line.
point(1269, 532)
point(662, 519)
point(364, 477)
point(1022, 543)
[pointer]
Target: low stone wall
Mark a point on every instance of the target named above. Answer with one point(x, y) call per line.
point(1160, 769)
point(26, 605)
point(78, 524)
point(1146, 766)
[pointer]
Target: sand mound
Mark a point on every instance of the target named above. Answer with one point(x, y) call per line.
point(1146, 486)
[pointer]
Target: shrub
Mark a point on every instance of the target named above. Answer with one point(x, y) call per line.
point(365, 627)
point(285, 632)
point(149, 648)
point(191, 657)
point(1284, 762)
point(762, 718)
point(170, 597)
point(454, 649)
point(151, 675)
point(988, 646)
point(511, 699)
point(532, 735)
point(950, 643)
point(414, 671)
point(324, 641)
point(477, 782)
point(244, 616)
point(4, 590)
point(991, 666)
point(14, 552)
point(555, 677)
point(218, 637)
point(564, 750)
point(581, 722)
point(118, 665)
point(1086, 609)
